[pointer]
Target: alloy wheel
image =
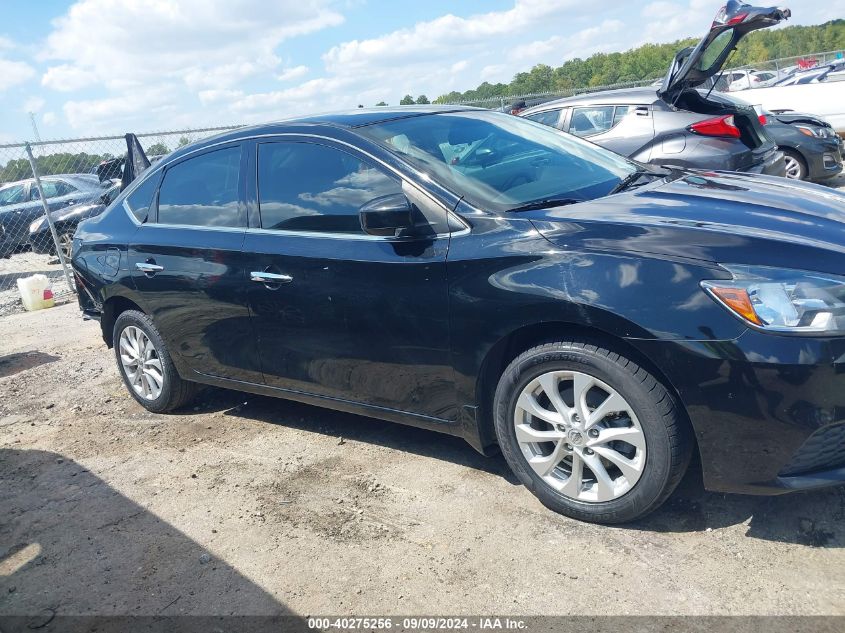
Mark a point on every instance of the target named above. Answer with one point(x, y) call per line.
point(580, 436)
point(141, 363)
point(793, 168)
point(66, 244)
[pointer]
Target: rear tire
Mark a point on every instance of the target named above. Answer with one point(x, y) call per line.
point(796, 166)
point(146, 367)
point(615, 465)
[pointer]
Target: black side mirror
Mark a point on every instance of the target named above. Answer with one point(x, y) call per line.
point(387, 216)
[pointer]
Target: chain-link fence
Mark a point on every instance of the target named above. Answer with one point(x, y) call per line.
point(75, 180)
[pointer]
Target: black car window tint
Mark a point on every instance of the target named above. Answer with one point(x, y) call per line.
point(315, 188)
point(139, 201)
point(50, 187)
point(202, 191)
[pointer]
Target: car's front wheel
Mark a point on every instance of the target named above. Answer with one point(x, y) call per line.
point(592, 434)
point(796, 167)
point(145, 365)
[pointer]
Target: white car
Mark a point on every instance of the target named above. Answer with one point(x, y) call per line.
point(752, 79)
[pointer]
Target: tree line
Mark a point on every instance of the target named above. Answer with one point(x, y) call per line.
point(652, 61)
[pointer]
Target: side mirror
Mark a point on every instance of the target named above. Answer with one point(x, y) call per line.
point(387, 216)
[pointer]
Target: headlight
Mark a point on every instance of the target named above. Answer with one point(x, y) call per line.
point(36, 226)
point(788, 301)
point(815, 131)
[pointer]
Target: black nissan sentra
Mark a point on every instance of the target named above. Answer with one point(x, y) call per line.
point(597, 320)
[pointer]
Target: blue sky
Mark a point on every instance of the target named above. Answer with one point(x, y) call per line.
point(111, 66)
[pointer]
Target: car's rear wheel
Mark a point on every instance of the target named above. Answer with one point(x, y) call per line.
point(796, 168)
point(592, 434)
point(145, 365)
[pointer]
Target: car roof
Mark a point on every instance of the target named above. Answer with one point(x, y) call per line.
point(24, 181)
point(347, 119)
point(624, 96)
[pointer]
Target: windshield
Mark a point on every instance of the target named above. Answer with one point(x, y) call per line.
point(498, 161)
point(13, 194)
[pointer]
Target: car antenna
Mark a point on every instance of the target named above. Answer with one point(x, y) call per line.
point(722, 72)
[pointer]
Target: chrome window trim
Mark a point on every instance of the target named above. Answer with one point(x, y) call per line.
point(377, 160)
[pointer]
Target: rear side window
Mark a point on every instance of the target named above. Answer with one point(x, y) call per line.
point(591, 121)
point(549, 117)
point(52, 189)
point(202, 191)
point(315, 188)
point(140, 200)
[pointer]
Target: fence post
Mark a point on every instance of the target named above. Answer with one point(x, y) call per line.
point(55, 235)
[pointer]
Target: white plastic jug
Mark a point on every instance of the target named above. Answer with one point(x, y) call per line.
point(35, 292)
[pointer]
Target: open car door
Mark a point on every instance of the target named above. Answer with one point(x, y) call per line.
point(136, 161)
point(693, 66)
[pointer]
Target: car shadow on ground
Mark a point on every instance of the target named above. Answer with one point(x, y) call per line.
point(811, 518)
point(71, 545)
point(806, 518)
point(350, 427)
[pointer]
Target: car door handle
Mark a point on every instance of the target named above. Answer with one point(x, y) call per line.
point(148, 268)
point(269, 278)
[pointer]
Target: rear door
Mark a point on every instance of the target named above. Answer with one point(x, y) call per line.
point(186, 262)
point(625, 129)
point(340, 313)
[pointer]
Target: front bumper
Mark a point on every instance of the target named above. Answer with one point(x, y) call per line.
point(824, 159)
point(768, 411)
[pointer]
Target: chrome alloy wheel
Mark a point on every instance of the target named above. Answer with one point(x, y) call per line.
point(66, 244)
point(141, 363)
point(580, 436)
point(793, 168)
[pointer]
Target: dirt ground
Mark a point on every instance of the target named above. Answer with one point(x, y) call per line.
point(251, 505)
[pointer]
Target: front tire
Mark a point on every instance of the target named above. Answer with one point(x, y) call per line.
point(592, 434)
point(145, 365)
point(796, 166)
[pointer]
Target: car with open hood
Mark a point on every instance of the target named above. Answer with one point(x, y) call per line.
point(681, 123)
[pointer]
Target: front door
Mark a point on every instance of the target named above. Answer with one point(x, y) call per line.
point(340, 313)
point(187, 263)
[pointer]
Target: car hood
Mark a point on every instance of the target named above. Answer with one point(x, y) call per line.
point(714, 217)
point(693, 66)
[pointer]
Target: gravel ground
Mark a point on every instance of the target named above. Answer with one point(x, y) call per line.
point(250, 505)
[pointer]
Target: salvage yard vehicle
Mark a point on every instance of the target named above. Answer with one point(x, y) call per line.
point(597, 320)
point(812, 149)
point(679, 124)
point(66, 219)
point(20, 204)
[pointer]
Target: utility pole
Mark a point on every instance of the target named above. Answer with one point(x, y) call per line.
point(34, 127)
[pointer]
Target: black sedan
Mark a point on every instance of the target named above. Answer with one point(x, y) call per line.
point(66, 219)
point(812, 148)
point(478, 274)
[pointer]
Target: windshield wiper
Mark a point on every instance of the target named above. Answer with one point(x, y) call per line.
point(630, 180)
point(545, 203)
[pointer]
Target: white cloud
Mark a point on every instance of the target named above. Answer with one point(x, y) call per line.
point(14, 73)
point(50, 118)
point(33, 104)
point(68, 78)
point(6, 43)
point(194, 46)
point(290, 74)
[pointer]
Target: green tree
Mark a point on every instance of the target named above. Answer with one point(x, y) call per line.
point(157, 149)
point(407, 100)
point(381, 104)
point(422, 100)
point(651, 62)
point(184, 141)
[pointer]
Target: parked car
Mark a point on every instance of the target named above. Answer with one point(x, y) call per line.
point(812, 149)
point(20, 204)
point(820, 91)
point(677, 124)
point(753, 79)
point(595, 318)
point(66, 219)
